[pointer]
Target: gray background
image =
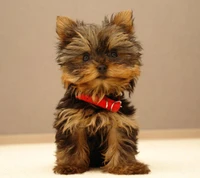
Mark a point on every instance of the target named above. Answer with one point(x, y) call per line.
point(167, 94)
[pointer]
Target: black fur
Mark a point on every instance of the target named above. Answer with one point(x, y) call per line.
point(64, 140)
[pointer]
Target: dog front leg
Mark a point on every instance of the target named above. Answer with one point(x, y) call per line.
point(72, 155)
point(121, 151)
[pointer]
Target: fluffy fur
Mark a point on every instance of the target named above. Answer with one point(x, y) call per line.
point(97, 60)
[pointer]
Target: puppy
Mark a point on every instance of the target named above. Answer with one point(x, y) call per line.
point(95, 125)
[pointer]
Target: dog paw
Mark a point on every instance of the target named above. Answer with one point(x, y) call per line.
point(135, 168)
point(69, 169)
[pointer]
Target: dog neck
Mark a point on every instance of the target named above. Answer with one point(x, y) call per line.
point(105, 103)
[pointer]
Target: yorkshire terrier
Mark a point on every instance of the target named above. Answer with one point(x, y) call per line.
point(94, 122)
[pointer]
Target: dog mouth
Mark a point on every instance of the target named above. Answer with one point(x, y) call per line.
point(102, 77)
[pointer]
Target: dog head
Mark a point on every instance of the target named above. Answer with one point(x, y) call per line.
point(99, 60)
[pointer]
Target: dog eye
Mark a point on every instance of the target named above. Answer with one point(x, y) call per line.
point(113, 54)
point(86, 57)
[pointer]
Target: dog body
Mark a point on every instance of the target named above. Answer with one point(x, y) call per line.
point(94, 122)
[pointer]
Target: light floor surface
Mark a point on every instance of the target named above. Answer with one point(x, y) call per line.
point(166, 158)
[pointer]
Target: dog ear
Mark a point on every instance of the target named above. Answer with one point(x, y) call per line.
point(64, 26)
point(124, 19)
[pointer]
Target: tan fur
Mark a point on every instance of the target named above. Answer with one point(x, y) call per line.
point(133, 168)
point(114, 161)
point(112, 154)
point(67, 78)
point(116, 82)
point(72, 117)
point(79, 160)
point(90, 82)
point(61, 24)
point(68, 169)
point(97, 61)
point(119, 71)
point(118, 40)
point(79, 43)
point(115, 154)
point(75, 120)
point(124, 18)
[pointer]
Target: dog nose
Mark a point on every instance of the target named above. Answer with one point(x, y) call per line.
point(102, 68)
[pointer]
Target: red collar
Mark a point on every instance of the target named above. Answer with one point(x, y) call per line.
point(105, 103)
